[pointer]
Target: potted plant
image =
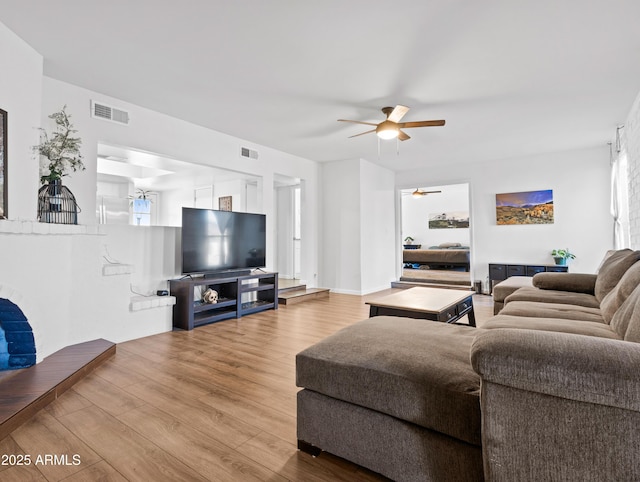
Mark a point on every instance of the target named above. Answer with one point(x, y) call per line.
point(561, 256)
point(59, 153)
point(409, 243)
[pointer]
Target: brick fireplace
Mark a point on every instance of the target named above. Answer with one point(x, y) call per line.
point(17, 338)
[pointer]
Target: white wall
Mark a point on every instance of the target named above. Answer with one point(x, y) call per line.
point(21, 98)
point(416, 212)
point(377, 225)
point(341, 226)
point(358, 227)
point(580, 184)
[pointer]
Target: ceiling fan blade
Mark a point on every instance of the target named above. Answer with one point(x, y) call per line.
point(398, 113)
point(358, 122)
point(403, 136)
point(418, 192)
point(363, 133)
point(429, 123)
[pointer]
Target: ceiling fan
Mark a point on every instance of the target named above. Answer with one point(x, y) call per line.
point(391, 127)
point(419, 193)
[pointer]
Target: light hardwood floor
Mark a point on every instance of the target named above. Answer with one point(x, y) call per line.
point(216, 403)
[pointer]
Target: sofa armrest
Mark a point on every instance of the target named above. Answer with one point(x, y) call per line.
point(575, 367)
point(558, 406)
point(574, 282)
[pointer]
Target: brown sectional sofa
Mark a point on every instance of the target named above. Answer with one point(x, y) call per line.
point(549, 389)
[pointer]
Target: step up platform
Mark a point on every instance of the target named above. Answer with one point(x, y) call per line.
point(299, 295)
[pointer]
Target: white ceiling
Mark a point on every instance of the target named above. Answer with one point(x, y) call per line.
point(511, 77)
point(151, 171)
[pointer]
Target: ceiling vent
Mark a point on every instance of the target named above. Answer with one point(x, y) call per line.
point(248, 153)
point(106, 112)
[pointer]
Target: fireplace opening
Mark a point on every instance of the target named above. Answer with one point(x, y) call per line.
point(17, 344)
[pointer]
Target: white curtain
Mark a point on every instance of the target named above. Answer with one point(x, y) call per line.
point(619, 197)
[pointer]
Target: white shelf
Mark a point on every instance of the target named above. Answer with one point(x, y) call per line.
point(138, 303)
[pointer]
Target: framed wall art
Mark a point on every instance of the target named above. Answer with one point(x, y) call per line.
point(449, 220)
point(529, 207)
point(224, 203)
point(3, 164)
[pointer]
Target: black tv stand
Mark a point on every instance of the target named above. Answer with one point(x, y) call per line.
point(238, 295)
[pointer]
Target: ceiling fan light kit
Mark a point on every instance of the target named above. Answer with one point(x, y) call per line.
point(391, 127)
point(387, 130)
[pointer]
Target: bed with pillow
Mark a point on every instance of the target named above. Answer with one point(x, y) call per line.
point(443, 256)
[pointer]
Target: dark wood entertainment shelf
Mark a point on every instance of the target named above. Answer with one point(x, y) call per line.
point(237, 296)
point(502, 271)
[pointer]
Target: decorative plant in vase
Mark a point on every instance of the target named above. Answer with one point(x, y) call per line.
point(59, 153)
point(561, 256)
point(409, 243)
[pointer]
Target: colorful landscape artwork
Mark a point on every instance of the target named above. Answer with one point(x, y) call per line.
point(530, 207)
point(449, 220)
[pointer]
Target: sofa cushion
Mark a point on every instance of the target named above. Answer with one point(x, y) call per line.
point(576, 327)
point(614, 299)
point(575, 282)
point(553, 296)
point(415, 370)
point(537, 309)
point(612, 269)
point(506, 287)
point(626, 320)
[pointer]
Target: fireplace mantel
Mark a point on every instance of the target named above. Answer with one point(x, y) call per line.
point(34, 227)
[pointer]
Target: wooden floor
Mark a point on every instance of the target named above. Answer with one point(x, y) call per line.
point(216, 403)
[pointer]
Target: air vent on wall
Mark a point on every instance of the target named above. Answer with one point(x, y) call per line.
point(106, 112)
point(248, 153)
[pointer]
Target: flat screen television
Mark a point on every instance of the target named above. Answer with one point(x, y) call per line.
point(218, 241)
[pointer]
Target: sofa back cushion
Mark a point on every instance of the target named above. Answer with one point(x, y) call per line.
point(612, 270)
point(614, 299)
point(626, 321)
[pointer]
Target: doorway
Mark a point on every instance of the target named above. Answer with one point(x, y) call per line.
point(288, 196)
point(436, 235)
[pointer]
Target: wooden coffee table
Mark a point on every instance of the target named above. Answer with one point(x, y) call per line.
point(437, 304)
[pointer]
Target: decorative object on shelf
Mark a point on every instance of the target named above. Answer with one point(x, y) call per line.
point(561, 256)
point(225, 203)
point(409, 243)
point(59, 154)
point(3, 164)
point(210, 296)
point(530, 207)
point(57, 204)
